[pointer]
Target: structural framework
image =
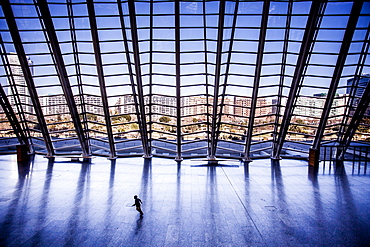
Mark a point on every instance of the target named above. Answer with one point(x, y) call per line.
point(184, 79)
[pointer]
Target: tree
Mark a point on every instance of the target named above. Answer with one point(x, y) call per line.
point(127, 117)
point(91, 117)
point(134, 126)
point(164, 119)
point(116, 118)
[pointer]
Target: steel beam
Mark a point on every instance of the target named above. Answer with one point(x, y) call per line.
point(178, 82)
point(209, 137)
point(282, 70)
point(63, 76)
point(78, 69)
point(256, 82)
point(8, 109)
point(99, 68)
point(221, 106)
point(317, 8)
point(215, 116)
point(348, 35)
point(146, 149)
point(363, 105)
point(14, 32)
point(139, 103)
point(358, 72)
point(150, 113)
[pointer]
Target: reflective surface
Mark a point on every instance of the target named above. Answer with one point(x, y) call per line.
point(261, 204)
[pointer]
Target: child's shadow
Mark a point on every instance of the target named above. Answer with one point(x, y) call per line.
point(138, 224)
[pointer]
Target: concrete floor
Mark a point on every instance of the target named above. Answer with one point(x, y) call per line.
point(263, 203)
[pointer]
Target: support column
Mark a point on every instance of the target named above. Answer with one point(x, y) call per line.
point(256, 82)
point(313, 157)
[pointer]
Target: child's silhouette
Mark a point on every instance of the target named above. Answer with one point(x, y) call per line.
point(138, 203)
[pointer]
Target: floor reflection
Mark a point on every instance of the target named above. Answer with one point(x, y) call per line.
point(263, 203)
point(79, 215)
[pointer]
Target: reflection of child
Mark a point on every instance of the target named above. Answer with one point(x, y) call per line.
point(138, 203)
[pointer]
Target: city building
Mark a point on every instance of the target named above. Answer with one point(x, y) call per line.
point(18, 87)
point(57, 104)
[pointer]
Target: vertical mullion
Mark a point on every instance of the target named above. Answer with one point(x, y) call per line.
point(20, 112)
point(282, 71)
point(77, 67)
point(140, 102)
point(221, 19)
point(99, 68)
point(150, 76)
point(63, 76)
point(178, 81)
point(347, 38)
point(312, 22)
point(218, 124)
point(209, 136)
point(132, 81)
point(14, 32)
point(257, 75)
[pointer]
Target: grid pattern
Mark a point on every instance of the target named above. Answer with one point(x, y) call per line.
point(231, 79)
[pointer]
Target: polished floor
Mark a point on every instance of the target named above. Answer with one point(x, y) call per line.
point(263, 203)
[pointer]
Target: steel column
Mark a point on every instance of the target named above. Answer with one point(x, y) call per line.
point(209, 137)
point(317, 8)
point(77, 67)
point(63, 76)
point(178, 81)
point(257, 75)
point(282, 70)
point(350, 29)
point(140, 104)
point(22, 128)
point(220, 113)
point(150, 113)
point(99, 68)
point(14, 32)
point(214, 133)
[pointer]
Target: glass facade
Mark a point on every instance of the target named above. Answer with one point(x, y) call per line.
point(184, 79)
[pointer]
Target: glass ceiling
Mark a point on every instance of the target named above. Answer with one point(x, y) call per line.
point(183, 79)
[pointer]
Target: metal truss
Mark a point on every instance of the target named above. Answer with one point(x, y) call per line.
point(137, 93)
point(140, 93)
point(99, 68)
point(282, 71)
point(316, 10)
point(351, 26)
point(9, 16)
point(256, 82)
point(63, 76)
point(223, 94)
point(215, 115)
point(19, 125)
point(178, 81)
point(363, 105)
point(136, 28)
